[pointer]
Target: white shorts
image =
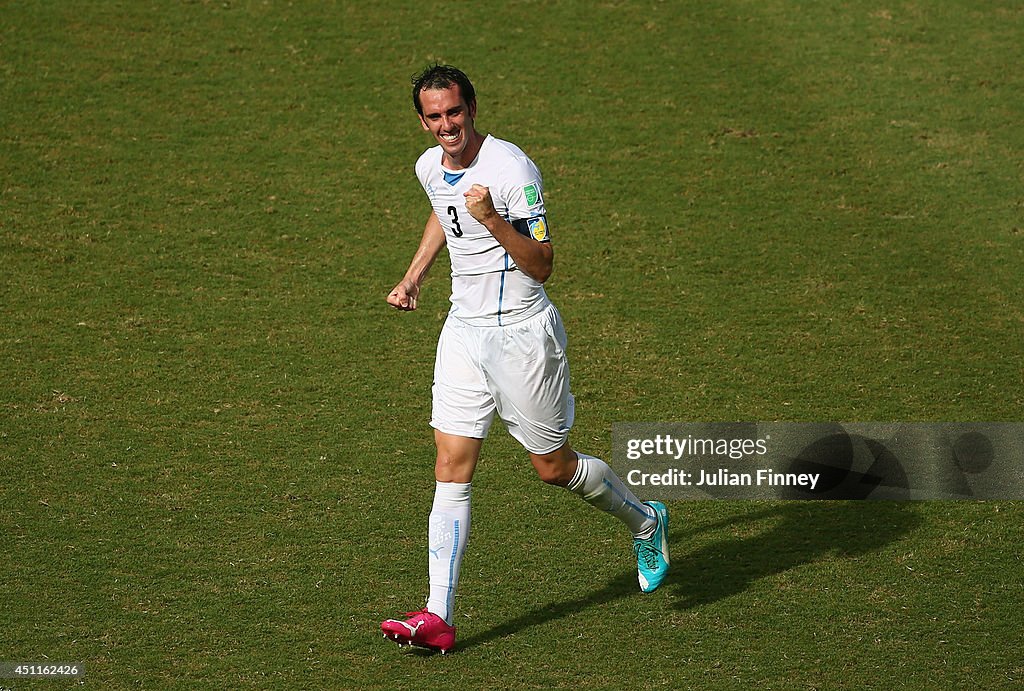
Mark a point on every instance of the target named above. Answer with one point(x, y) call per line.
point(519, 371)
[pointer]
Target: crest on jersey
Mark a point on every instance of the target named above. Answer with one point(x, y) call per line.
point(538, 228)
point(532, 194)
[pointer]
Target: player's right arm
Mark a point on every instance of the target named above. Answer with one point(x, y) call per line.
point(407, 291)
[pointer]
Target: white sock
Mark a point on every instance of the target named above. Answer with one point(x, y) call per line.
point(447, 536)
point(599, 486)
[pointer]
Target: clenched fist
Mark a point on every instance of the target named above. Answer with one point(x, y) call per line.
point(479, 203)
point(404, 296)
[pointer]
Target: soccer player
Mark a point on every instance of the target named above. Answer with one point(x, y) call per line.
point(502, 348)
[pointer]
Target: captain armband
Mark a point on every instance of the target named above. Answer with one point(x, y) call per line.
point(535, 227)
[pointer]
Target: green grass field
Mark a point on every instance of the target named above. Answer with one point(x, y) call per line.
point(215, 464)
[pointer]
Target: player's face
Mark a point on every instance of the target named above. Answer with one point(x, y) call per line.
point(448, 117)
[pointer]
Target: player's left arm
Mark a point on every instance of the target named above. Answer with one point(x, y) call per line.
point(534, 258)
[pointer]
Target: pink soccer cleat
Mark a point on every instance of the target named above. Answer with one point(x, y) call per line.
point(424, 629)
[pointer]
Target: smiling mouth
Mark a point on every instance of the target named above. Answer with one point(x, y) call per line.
point(450, 138)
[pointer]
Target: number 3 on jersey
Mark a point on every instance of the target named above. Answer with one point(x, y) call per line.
point(456, 228)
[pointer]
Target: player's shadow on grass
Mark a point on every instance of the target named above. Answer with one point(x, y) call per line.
point(620, 586)
point(775, 539)
point(793, 534)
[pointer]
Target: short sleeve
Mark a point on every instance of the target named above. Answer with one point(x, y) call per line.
point(523, 190)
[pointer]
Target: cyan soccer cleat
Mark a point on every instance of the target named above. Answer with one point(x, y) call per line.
point(652, 554)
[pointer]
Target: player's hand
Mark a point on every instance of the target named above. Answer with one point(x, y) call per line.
point(479, 203)
point(403, 297)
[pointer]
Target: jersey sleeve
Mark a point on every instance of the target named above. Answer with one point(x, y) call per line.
point(523, 192)
point(422, 171)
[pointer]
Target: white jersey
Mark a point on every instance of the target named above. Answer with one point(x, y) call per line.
point(487, 287)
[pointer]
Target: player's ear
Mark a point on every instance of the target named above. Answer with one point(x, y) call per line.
point(472, 109)
point(423, 122)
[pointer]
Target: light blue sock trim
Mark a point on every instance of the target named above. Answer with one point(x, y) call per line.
point(450, 600)
point(642, 508)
